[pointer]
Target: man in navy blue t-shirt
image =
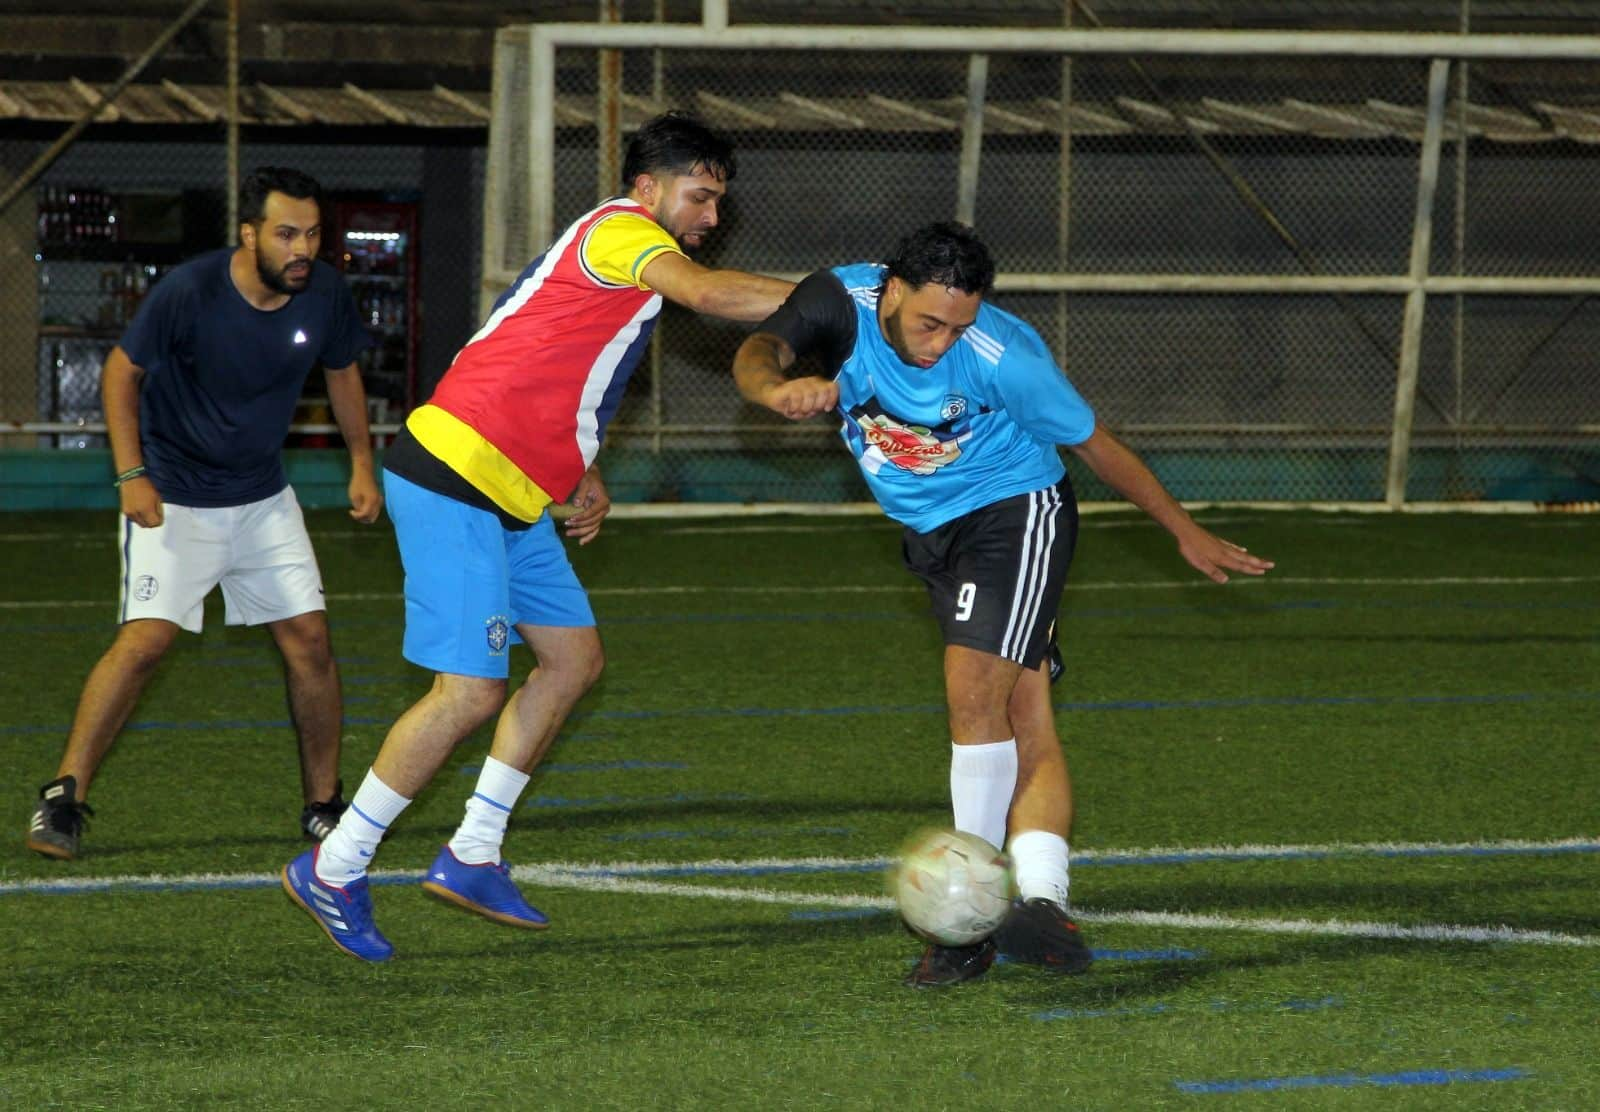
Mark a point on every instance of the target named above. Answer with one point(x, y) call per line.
point(198, 398)
point(953, 409)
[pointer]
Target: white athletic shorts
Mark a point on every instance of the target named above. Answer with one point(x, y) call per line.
point(259, 552)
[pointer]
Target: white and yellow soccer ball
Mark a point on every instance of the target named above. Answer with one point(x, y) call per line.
point(952, 888)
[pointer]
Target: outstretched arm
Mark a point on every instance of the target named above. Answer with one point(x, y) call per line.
point(1116, 465)
point(348, 400)
point(730, 294)
point(758, 372)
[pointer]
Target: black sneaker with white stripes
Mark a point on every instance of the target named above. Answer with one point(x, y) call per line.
point(58, 820)
point(319, 819)
point(1039, 932)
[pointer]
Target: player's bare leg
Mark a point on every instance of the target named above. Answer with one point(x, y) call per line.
point(470, 871)
point(570, 661)
point(1043, 799)
point(110, 694)
point(978, 688)
point(422, 738)
point(108, 698)
point(1039, 930)
point(316, 707)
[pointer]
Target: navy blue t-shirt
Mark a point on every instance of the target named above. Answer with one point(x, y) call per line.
point(222, 377)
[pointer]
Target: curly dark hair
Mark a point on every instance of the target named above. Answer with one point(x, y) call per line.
point(253, 190)
point(946, 253)
point(676, 143)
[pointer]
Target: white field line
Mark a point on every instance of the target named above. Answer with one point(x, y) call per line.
point(910, 587)
point(1338, 928)
point(634, 877)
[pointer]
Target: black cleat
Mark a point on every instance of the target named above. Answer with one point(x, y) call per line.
point(950, 965)
point(1038, 932)
point(58, 820)
point(318, 820)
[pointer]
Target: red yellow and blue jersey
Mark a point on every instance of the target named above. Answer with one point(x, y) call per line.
point(523, 408)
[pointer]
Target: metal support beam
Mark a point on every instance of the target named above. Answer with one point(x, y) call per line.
point(43, 162)
point(972, 138)
point(1405, 391)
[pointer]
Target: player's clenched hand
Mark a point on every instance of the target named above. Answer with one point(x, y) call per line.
point(365, 498)
point(592, 503)
point(1214, 557)
point(799, 398)
point(141, 502)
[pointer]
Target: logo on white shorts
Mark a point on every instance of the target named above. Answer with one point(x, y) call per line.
point(499, 633)
point(145, 588)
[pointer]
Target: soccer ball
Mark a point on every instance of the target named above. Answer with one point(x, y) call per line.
point(953, 888)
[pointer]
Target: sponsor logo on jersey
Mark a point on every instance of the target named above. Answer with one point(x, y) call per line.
point(909, 447)
point(498, 630)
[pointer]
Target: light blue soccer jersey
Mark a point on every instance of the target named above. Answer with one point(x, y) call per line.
point(980, 425)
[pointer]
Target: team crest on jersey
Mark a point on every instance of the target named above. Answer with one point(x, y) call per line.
point(145, 588)
point(954, 406)
point(498, 629)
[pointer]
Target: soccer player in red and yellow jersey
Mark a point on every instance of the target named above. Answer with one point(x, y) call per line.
point(513, 427)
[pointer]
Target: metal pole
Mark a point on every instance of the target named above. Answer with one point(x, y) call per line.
point(68, 137)
point(233, 122)
point(1064, 187)
point(608, 110)
point(714, 15)
point(541, 168)
point(1405, 392)
point(972, 138)
point(1458, 338)
point(1181, 42)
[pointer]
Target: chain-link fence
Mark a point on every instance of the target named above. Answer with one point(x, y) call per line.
point(1218, 249)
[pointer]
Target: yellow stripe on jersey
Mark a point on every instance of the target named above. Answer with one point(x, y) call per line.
point(616, 248)
point(460, 448)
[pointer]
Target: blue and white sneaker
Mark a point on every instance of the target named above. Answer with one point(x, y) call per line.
point(345, 913)
point(486, 889)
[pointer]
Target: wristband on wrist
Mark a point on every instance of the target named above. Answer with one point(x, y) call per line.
point(130, 473)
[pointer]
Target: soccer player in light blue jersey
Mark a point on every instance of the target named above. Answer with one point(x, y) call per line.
point(954, 409)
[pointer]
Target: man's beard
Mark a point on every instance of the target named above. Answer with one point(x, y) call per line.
point(896, 335)
point(277, 280)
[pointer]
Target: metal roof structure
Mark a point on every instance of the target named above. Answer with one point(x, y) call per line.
point(349, 105)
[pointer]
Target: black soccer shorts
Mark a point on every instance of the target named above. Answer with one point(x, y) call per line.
point(995, 575)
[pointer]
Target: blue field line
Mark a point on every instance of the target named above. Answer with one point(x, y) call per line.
point(728, 832)
point(219, 724)
point(1356, 1080)
point(597, 767)
point(540, 802)
point(1236, 703)
point(1294, 1005)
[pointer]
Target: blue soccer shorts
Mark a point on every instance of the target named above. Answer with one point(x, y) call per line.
point(470, 581)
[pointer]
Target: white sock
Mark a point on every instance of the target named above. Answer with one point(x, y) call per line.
point(477, 840)
point(982, 781)
point(1039, 861)
point(344, 854)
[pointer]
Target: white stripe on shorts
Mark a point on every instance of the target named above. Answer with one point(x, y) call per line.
point(1044, 506)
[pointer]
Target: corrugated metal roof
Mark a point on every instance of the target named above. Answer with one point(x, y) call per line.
point(351, 106)
point(259, 105)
